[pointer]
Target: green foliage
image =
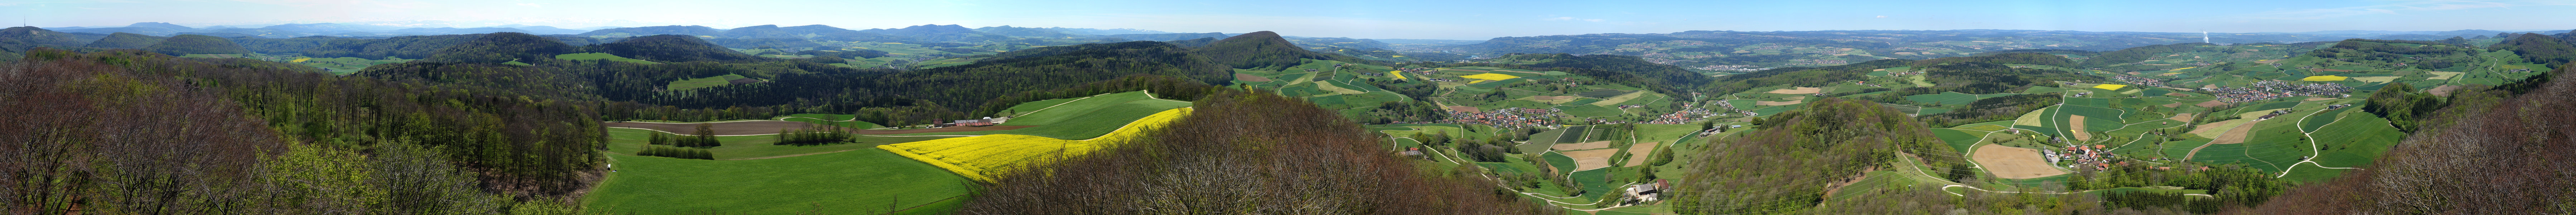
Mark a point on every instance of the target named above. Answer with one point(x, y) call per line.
point(409, 47)
point(677, 152)
point(502, 47)
point(671, 48)
point(1828, 140)
point(186, 44)
point(2141, 53)
point(1259, 50)
point(2402, 105)
point(122, 40)
point(2541, 49)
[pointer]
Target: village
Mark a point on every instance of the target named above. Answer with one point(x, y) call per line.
point(1503, 118)
point(2267, 90)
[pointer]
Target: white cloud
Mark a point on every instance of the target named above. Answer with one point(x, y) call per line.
point(531, 5)
point(1882, 17)
point(2398, 8)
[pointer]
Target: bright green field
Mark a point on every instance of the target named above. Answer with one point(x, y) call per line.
point(694, 83)
point(856, 182)
point(1063, 111)
point(630, 141)
point(1590, 111)
point(600, 56)
point(1065, 122)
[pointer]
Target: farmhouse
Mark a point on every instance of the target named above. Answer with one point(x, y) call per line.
point(1648, 191)
point(986, 121)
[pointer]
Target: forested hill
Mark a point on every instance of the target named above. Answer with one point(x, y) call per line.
point(503, 47)
point(122, 40)
point(672, 48)
point(1262, 49)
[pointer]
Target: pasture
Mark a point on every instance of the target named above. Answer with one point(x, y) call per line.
point(695, 83)
point(602, 56)
point(855, 182)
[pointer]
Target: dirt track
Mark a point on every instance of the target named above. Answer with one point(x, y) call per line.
point(2014, 163)
point(1800, 90)
point(1773, 103)
point(1580, 146)
point(1638, 154)
point(772, 127)
point(2078, 122)
point(1591, 159)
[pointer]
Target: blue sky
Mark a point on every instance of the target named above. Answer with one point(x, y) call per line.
point(1469, 20)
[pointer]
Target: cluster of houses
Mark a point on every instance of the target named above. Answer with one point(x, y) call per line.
point(1731, 107)
point(1647, 192)
point(2096, 156)
point(2274, 114)
point(1687, 114)
point(2267, 90)
point(1738, 68)
point(2141, 81)
point(1506, 117)
point(2517, 71)
point(986, 121)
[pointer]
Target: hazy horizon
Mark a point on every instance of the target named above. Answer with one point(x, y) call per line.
point(1457, 20)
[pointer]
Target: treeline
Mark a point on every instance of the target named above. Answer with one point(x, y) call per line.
point(2229, 187)
point(2540, 49)
point(126, 132)
point(2141, 53)
point(1247, 153)
point(1991, 109)
point(703, 137)
point(1778, 168)
point(2479, 156)
point(677, 152)
point(1799, 76)
point(1262, 49)
point(519, 143)
point(813, 136)
point(1979, 77)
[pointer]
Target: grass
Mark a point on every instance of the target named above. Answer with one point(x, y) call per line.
point(842, 120)
point(602, 56)
point(1960, 140)
point(1068, 109)
point(1590, 111)
point(980, 157)
point(694, 83)
point(1084, 125)
point(860, 181)
point(631, 141)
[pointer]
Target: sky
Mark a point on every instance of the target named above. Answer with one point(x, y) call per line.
point(1460, 20)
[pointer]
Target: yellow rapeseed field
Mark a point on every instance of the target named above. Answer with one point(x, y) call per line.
point(1491, 76)
point(981, 157)
point(2323, 78)
point(301, 60)
point(1396, 74)
point(2110, 86)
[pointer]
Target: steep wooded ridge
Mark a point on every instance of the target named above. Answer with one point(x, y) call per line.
point(122, 40)
point(2506, 157)
point(502, 47)
point(672, 48)
point(1787, 165)
point(1246, 152)
point(1261, 49)
point(235, 136)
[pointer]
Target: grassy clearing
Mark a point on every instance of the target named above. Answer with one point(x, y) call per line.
point(1590, 111)
point(855, 182)
point(694, 83)
point(602, 56)
point(1068, 109)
